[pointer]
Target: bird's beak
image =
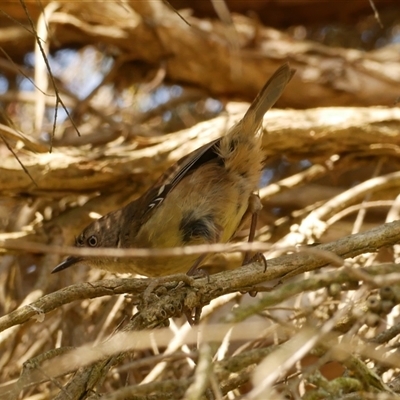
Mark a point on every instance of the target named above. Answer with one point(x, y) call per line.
point(68, 262)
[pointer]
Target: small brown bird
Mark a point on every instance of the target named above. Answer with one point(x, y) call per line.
point(204, 198)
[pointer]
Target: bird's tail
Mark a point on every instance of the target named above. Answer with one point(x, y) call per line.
point(240, 148)
point(266, 98)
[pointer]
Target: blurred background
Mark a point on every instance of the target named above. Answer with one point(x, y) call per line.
point(97, 99)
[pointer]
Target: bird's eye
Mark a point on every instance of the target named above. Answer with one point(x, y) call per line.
point(92, 241)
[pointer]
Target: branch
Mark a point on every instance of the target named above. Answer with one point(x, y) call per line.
point(155, 34)
point(204, 290)
point(366, 131)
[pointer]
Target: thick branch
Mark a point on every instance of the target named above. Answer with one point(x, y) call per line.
point(313, 134)
point(204, 290)
point(224, 60)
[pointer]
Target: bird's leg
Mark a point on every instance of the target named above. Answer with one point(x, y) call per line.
point(194, 270)
point(252, 233)
point(254, 208)
point(193, 316)
point(198, 272)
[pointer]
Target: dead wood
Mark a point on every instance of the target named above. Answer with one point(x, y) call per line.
point(312, 134)
point(158, 38)
point(328, 301)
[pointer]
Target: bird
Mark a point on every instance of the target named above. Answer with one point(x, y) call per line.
point(205, 198)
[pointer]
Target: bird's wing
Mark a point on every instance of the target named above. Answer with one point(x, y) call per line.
point(178, 171)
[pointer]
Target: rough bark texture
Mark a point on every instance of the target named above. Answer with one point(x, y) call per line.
point(140, 80)
point(225, 60)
